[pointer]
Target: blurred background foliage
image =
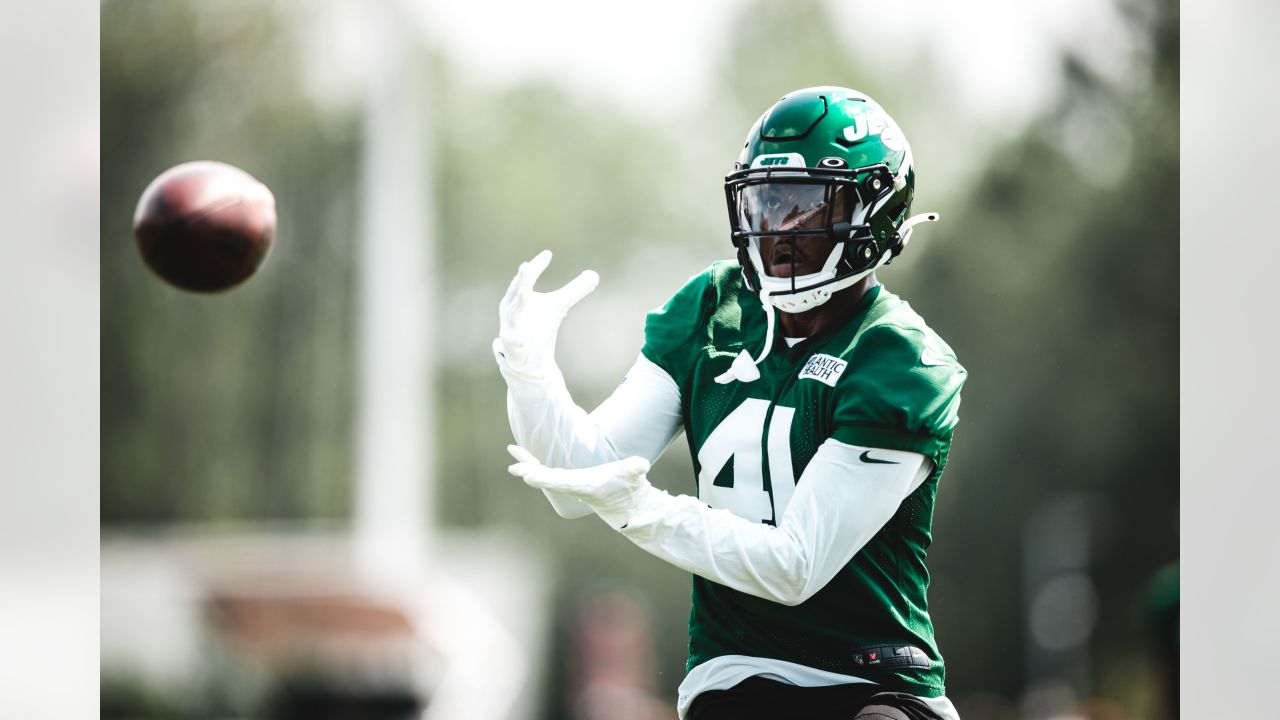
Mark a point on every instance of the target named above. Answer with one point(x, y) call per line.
point(1053, 275)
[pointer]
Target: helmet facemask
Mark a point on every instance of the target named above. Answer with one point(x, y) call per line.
point(827, 169)
point(823, 209)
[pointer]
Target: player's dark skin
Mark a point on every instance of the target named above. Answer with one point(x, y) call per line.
point(804, 255)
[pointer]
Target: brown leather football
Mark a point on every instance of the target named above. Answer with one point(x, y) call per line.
point(205, 226)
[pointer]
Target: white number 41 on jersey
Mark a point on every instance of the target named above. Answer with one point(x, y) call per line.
point(738, 436)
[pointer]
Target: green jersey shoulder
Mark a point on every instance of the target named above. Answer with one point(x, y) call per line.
point(897, 383)
point(903, 388)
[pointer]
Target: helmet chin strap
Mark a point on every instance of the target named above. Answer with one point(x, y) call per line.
point(810, 299)
point(744, 369)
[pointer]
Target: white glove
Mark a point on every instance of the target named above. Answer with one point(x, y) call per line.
point(528, 321)
point(613, 490)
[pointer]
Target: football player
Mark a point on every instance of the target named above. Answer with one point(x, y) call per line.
point(819, 409)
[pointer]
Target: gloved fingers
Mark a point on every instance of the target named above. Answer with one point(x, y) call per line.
point(545, 481)
point(533, 270)
point(635, 466)
point(512, 351)
point(576, 289)
point(526, 466)
point(513, 289)
point(512, 343)
point(537, 475)
point(522, 455)
point(541, 478)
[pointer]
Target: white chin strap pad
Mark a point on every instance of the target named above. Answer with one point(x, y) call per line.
point(810, 299)
point(743, 369)
point(780, 287)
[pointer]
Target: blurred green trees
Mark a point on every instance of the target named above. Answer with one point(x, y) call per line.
point(1057, 283)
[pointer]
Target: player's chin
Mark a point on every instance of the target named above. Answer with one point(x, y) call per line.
point(786, 270)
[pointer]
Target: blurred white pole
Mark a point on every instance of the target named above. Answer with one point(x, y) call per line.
point(395, 431)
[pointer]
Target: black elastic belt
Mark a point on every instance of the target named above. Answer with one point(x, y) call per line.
point(891, 656)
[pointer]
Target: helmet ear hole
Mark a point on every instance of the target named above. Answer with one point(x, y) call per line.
point(875, 183)
point(864, 253)
point(867, 251)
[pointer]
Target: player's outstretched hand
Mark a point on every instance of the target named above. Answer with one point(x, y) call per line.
point(612, 489)
point(528, 321)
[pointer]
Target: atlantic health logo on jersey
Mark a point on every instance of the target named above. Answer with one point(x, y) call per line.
point(824, 368)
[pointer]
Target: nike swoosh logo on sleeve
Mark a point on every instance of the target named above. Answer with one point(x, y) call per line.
point(866, 458)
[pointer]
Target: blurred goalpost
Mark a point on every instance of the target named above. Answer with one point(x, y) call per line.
point(395, 423)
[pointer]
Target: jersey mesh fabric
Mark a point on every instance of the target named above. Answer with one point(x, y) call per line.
point(886, 397)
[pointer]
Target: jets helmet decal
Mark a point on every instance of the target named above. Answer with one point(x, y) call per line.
point(823, 162)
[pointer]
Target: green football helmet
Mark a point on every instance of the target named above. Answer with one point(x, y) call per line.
point(826, 162)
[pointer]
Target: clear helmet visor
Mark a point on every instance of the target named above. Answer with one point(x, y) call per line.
point(780, 207)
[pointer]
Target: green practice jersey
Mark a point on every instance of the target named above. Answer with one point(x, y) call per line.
point(883, 379)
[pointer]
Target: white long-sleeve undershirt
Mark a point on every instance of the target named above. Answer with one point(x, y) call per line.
point(640, 418)
point(839, 503)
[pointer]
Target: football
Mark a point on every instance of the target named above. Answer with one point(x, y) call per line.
point(205, 226)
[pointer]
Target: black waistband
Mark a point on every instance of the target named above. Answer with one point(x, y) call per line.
point(891, 656)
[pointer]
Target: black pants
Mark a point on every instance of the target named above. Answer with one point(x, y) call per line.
point(759, 699)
